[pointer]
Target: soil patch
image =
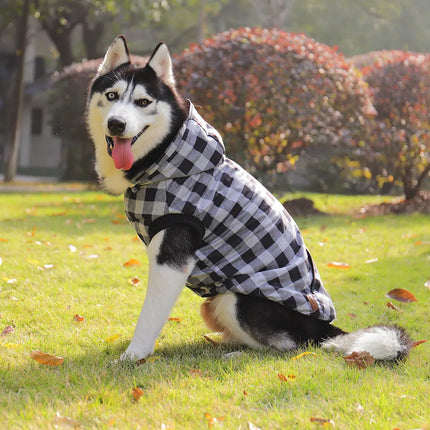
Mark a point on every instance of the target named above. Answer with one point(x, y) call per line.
point(301, 207)
point(421, 203)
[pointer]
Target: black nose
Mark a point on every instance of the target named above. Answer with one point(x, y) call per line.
point(116, 126)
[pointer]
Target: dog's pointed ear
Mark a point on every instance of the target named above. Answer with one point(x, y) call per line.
point(116, 55)
point(161, 63)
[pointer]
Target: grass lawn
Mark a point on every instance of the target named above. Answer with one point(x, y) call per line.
point(63, 254)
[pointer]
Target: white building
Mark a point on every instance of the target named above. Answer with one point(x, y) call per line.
point(40, 150)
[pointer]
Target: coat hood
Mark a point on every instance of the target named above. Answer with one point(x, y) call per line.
point(197, 148)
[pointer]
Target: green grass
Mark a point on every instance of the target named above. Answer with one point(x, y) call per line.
point(94, 390)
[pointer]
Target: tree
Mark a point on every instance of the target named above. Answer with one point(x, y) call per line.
point(399, 147)
point(18, 92)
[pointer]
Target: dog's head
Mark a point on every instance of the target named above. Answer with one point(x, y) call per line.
point(130, 111)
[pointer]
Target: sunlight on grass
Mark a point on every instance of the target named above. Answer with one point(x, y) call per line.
point(63, 254)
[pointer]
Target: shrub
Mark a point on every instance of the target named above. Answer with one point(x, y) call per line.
point(272, 94)
point(399, 149)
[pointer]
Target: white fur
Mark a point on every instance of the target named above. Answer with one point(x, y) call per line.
point(156, 116)
point(382, 343)
point(224, 311)
point(164, 286)
point(282, 341)
point(161, 63)
point(115, 56)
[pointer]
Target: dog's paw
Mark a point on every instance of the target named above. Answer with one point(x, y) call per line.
point(135, 354)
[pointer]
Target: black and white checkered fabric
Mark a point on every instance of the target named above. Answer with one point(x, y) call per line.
point(251, 245)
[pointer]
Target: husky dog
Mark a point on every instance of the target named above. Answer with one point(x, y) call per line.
point(207, 223)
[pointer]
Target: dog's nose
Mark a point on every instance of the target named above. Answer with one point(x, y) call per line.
point(116, 126)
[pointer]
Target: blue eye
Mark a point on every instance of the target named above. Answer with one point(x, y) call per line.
point(112, 96)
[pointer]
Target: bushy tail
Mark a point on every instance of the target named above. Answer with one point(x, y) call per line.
point(380, 341)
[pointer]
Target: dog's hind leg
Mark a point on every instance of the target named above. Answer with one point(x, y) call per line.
point(256, 322)
point(170, 263)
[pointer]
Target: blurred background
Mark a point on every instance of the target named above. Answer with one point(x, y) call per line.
point(319, 95)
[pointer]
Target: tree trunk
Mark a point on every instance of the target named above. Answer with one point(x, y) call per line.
point(18, 94)
point(91, 39)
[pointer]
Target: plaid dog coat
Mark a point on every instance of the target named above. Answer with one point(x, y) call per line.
point(249, 243)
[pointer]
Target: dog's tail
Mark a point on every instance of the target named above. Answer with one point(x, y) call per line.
point(380, 341)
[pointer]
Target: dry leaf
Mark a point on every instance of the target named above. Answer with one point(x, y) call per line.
point(196, 373)
point(323, 421)
point(213, 338)
point(78, 318)
point(132, 262)
point(338, 265)
point(288, 378)
point(352, 315)
point(415, 343)
point(47, 359)
point(112, 338)
point(178, 320)
point(361, 359)
point(134, 281)
point(213, 420)
point(3, 240)
point(46, 267)
point(7, 330)
point(401, 295)
point(395, 308)
point(303, 354)
point(137, 393)
point(66, 422)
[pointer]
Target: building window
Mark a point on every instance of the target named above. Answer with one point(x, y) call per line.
point(39, 68)
point(36, 121)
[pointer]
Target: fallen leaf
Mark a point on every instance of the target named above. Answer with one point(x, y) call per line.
point(132, 262)
point(196, 373)
point(88, 221)
point(213, 338)
point(78, 318)
point(372, 260)
point(72, 248)
point(303, 354)
point(352, 315)
point(323, 421)
point(415, 343)
point(46, 267)
point(47, 359)
point(288, 378)
point(3, 240)
point(401, 295)
point(213, 420)
point(178, 320)
point(422, 242)
point(395, 308)
point(338, 265)
point(7, 330)
point(10, 345)
point(112, 338)
point(245, 393)
point(134, 281)
point(361, 359)
point(137, 393)
point(66, 422)
point(32, 233)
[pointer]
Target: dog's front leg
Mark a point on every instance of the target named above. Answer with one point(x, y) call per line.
point(167, 276)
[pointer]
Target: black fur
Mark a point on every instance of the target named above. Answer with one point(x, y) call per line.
point(179, 244)
point(262, 318)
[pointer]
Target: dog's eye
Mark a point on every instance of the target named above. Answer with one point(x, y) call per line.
point(112, 96)
point(142, 102)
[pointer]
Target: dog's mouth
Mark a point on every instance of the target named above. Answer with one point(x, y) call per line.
point(119, 148)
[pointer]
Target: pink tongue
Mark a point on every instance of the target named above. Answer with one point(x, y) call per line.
point(121, 153)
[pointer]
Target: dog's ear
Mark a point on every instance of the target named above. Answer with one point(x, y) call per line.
point(116, 55)
point(161, 63)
